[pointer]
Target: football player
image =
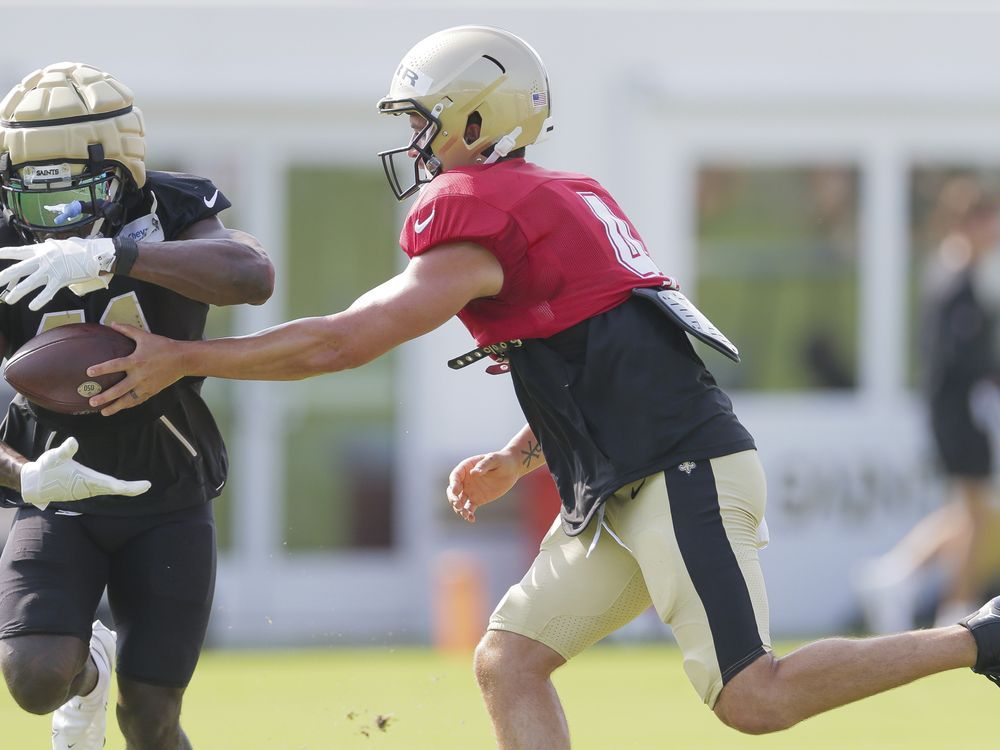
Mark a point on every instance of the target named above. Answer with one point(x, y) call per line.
point(95, 237)
point(662, 490)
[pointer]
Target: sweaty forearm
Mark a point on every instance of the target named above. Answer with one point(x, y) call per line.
point(290, 351)
point(213, 271)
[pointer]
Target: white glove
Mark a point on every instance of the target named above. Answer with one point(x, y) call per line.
point(54, 264)
point(56, 478)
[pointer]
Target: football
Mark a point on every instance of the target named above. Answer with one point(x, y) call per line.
point(50, 370)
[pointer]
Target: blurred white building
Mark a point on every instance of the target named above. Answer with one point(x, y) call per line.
point(772, 156)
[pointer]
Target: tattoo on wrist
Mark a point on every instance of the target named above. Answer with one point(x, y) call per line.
point(533, 452)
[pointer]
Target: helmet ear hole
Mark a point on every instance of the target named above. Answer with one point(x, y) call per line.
point(473, 128)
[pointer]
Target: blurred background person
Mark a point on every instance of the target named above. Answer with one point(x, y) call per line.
point(961, 364)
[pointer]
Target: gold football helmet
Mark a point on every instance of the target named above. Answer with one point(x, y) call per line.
point(478, 72)
point(71, 146)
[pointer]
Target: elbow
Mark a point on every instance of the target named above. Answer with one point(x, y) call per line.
point(258, 285)
point(251, 284)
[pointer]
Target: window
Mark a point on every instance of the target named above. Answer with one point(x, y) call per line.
point(777, 251)
point(342, 240)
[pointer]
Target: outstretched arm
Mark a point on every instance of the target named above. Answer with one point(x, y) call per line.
point(433, 288)
point(481, 479)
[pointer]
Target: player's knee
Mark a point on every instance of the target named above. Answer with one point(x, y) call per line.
point(753, 717)
point(38, 684)
point(40, 690)
point(753, 703)
point(486, 661)
point(503, 657)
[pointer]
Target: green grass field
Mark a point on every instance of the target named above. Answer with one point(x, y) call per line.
point(616, 698)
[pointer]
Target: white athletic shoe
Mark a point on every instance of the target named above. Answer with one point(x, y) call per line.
point(79, 723)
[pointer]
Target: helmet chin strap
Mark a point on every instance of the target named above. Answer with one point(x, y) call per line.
point(504, 146)
point(97, 228)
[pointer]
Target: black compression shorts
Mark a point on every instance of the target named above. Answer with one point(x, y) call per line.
point(159, 571)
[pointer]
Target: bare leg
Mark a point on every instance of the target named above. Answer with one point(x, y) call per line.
point(968, 576)
point(149, 716)
point(514, 676)
point(889, 585)
point(773, 694)
point(932, 537)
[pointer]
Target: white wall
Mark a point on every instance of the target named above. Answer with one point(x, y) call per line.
point(641, 91)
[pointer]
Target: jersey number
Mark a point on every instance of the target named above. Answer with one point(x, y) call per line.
point(629, 250)
point(124, 308)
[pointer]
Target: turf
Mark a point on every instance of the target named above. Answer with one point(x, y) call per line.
point(616, 697)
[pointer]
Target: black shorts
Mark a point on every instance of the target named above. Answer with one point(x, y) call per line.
point(963, 447)
point(159, 571)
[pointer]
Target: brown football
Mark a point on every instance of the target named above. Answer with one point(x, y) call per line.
point(51, 369)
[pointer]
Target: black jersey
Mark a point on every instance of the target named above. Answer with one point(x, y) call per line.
point(616, 398)
point(171, 439)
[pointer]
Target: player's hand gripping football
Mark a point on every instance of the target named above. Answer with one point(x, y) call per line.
point(83, 265)
point(148, 370)
point(54, 477)
point(481, 479)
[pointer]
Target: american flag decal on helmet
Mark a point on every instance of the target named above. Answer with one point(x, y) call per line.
point(539, 99)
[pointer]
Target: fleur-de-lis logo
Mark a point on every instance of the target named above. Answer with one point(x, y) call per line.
point(688, 466)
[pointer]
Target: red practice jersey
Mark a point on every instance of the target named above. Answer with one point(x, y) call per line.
point(567, 250)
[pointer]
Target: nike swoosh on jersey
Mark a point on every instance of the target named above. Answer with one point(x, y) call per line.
point(419, 226)
point(635, 490)
point(210, 202)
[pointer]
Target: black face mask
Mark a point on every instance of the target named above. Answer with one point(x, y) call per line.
point(397, 162)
